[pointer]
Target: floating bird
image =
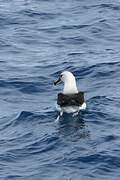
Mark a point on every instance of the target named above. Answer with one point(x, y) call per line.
point(70, 100)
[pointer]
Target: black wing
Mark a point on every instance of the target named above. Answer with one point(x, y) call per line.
point(71, 99)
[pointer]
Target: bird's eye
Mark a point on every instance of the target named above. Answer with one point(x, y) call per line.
point(61, 76)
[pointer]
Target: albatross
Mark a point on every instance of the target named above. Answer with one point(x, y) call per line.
point(70, 100)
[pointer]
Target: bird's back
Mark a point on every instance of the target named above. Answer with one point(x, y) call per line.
point(70, 99)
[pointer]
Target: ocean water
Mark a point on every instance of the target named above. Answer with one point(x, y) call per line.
point(38, 40)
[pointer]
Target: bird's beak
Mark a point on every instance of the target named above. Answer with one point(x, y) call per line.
point(57, 82)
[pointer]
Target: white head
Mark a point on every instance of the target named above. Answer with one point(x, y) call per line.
point(69, 82)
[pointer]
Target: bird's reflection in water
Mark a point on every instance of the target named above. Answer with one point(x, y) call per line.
point(73, 127)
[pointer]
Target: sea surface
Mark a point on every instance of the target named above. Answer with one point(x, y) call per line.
point(38, 40)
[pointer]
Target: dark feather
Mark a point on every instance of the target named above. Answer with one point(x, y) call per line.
point(71, 99)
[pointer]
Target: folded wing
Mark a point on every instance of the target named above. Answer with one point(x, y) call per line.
point(71, 99)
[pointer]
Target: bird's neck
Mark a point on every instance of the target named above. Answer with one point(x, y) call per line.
point(70, 87)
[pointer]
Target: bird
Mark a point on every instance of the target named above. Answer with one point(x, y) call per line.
point(70, 100)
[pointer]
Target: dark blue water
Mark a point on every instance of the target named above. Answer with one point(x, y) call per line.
point(38, 40)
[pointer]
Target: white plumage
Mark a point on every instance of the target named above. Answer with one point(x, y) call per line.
point(70, 88)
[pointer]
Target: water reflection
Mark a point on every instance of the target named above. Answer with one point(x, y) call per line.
point(73, 127)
